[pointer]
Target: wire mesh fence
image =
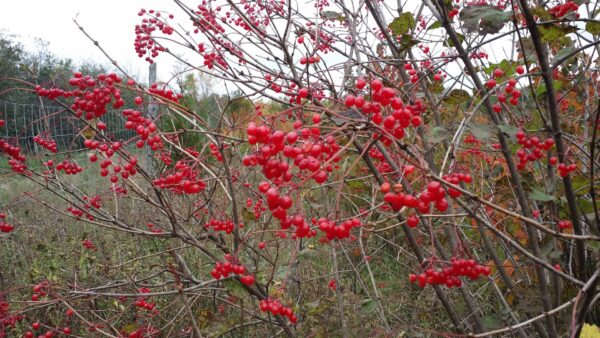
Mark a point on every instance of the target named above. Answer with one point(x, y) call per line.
point(25, 121)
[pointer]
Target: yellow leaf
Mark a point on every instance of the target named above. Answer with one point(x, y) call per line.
point(88, 133)
point(590, 331)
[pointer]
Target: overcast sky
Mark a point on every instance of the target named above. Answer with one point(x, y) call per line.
point(111, 22)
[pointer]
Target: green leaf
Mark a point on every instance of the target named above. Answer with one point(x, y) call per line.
point(457, 96)
point(450, 43)
point(484, 19)
point(586, 205)
point(248, 215)
point(541, 90)
point(435, 87)
point(357, 185)
point(407, 42)
point(438, 134)
point(508, 129)
point(435, 25)
point(563, 53)
point(307, 254)
point(368, 306)
point(594, 245)
point(554, 33)
point(593, 27)
point(129, 328)
point(482, 132)
point(331, 15)
point(492, 321)
point(548, 251)
point(505, 65)
point(542, 13)
point(580, 184)
point(538, 195)
point(235, 288)
point(402, 24)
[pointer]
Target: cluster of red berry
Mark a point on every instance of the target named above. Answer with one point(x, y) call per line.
point(153, 228)
point(561, 10)
point(182, 179)
point(452, 13)
point(395, 121)
point(77, 213)
point(450, 276)
point(274, 200)
point(414, 75)
point(145, 128)
point(164, 92)
point(380, 161)
point(565, 224)
point(337, 231)
point(312, 156)
point(434, 193)
point(310, 59)
point(565, 169)
point(303, 229)
point(36, 326)
point(143, 304)
point(17, 160)
point(108, 149)
point(456, 178)
point(91, 96)
point(127, 170)
point(46, 143)
point(276, 308)
point(5, 227)
point(212, 58)
point(69, 167)
point(532, 148)
point(258, 207)
point(144, 44)
point(510, 89)
point(7, 320)
point(279, 205)
point(40, 290)
point(88, 244)
point(224, 269)
point(214, 150)
point(221, 225)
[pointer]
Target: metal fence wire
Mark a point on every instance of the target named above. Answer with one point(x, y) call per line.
point(25, 121)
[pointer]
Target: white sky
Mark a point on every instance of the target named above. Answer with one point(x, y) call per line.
point(110, 22)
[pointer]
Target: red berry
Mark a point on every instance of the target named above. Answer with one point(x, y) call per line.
point(385, 187)
point(360, 83)
point(349, 101)
point(412, 221)
point(247, 280)
point(376, 85)
point(497, 108)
